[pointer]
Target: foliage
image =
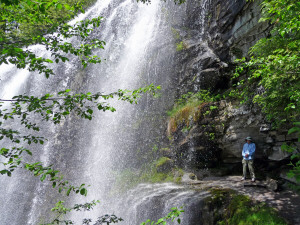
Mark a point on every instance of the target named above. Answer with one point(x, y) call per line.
point(175, 213)
point(236, 209)
point(161, 161)
point(24, 23)
point(180, 46)
point(129, 178)
point(189, 108)
point(61, 211)
point(295, 157)
point(241, 210)
point(272, 74)
point(16, 49)
point(192, 100)
point(271, 77)
point(52, 109)
point(175, 1)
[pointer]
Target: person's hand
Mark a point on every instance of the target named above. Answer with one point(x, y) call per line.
point(247, 155)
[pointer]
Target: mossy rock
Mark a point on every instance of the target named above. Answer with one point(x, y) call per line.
point(164, 164)
point(226, 206)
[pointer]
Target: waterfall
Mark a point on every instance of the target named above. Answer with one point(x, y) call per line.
point(139, 50)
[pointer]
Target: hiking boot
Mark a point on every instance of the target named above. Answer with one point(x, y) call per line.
point(253, 180)
point(243, 178)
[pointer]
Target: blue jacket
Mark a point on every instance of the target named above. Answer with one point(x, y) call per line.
point(248, 149)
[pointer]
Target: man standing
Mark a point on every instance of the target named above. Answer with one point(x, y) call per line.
point(248, 157)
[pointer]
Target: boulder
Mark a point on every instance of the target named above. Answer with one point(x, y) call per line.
point(272, 184)
point(277, 154)
point(188, 178)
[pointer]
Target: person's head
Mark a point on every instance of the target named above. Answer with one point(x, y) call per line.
point(248, 140)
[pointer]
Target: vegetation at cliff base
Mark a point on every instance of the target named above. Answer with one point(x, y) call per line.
point(236, 209)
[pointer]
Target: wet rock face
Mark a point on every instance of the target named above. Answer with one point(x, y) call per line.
point(234, 28)
point(212, 36)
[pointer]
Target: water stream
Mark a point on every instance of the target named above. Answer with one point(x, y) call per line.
point(139, 50)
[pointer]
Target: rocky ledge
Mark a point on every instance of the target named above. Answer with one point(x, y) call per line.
point(287, 203)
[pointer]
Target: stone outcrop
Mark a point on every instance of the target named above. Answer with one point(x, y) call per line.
point(217, 136)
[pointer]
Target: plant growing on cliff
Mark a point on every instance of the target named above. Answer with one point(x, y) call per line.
point(188, 108)
point(272, 72)
point(172, 216)
point(295, 157)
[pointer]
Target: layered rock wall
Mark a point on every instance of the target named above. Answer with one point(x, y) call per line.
point(213, 34)
point(211, 43)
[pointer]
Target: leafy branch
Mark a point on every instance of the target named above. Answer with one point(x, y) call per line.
point(172, 216)
point(295, 157)
point(61, 210)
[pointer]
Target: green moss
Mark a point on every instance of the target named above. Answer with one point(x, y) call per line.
point(179, 46)
point(178, 175)
point(178, 180)
point(125, 180)
point(129, 178)
point(190, 100)
point(188, 108)
point(219, 197)
point(241, 210)
point(156, 177)
point(176, 34)
point(161, 161)
point(235, 209)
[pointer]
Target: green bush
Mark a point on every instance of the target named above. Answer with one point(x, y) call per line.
point(270, 77)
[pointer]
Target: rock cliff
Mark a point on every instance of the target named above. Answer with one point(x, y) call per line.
point(204, 61)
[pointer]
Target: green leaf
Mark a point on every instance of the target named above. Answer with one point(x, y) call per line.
point(83, 191)
point(68, 192)
point(59, 6)
point(28, 152)
point(67, 7)
point(43, 177)
point(3, 171)
point(90, 111)
point(293, 130)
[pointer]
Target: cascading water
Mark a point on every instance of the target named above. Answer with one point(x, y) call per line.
point(139, 50)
